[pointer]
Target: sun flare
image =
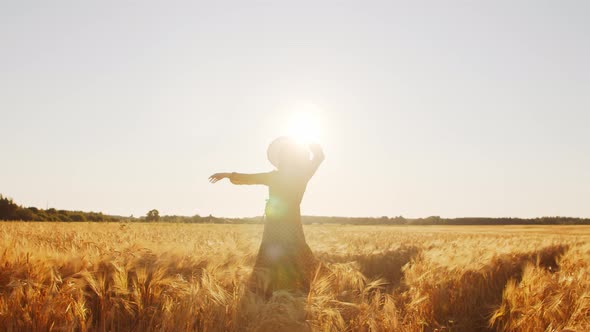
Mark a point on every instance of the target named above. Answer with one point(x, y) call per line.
point(304, 125)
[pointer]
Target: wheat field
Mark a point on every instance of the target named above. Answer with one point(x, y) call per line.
point(177, 277)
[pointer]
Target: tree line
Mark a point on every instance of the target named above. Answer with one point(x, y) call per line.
point(12, 211)
point(436, 220)
point(9, 210)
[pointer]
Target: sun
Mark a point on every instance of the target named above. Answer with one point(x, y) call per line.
point(304, 125)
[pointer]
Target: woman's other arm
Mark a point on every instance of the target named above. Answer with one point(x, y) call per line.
point(241, 178)
point(318, 157)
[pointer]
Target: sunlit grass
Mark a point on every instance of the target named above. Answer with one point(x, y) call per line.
point(176, 277)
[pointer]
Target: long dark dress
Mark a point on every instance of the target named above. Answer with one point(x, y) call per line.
point(284, 259)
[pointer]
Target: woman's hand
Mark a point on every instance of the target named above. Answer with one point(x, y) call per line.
point(318, 152)
point(218, 176)
point(318, 158)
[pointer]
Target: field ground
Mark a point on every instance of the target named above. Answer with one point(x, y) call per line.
point(174, 277)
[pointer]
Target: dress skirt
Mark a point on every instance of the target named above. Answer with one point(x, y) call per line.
point(284, 261)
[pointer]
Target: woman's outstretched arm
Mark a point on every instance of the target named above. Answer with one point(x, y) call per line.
point(241, 178)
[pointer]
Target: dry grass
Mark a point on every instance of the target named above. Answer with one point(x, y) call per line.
point(174, 277)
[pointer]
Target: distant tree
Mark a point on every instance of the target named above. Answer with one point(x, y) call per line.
point(433, 220)
point(63, 217)
point(7, 208)
point(24, 215)
point(77, 216)
point(153, 215)
point(93, 216)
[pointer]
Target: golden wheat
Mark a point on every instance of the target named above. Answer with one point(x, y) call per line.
point(176, 277)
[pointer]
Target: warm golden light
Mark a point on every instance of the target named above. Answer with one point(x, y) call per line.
point(304, 125)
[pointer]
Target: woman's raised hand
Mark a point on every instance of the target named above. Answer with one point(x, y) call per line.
point(316, 149)
point(218, 176)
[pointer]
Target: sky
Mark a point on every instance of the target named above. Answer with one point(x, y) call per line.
point(425, 108)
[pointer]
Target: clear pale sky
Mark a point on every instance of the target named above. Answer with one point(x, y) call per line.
point(449, 108)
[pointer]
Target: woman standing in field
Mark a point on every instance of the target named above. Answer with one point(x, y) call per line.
point(284, 256)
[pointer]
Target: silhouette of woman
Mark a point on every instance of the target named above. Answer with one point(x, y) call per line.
point(284, 259)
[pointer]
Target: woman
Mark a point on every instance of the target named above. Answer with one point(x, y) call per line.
point(284, 257)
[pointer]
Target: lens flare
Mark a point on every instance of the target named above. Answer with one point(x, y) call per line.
point(304, 125)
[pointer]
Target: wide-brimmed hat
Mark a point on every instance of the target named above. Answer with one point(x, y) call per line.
point(278, 146)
